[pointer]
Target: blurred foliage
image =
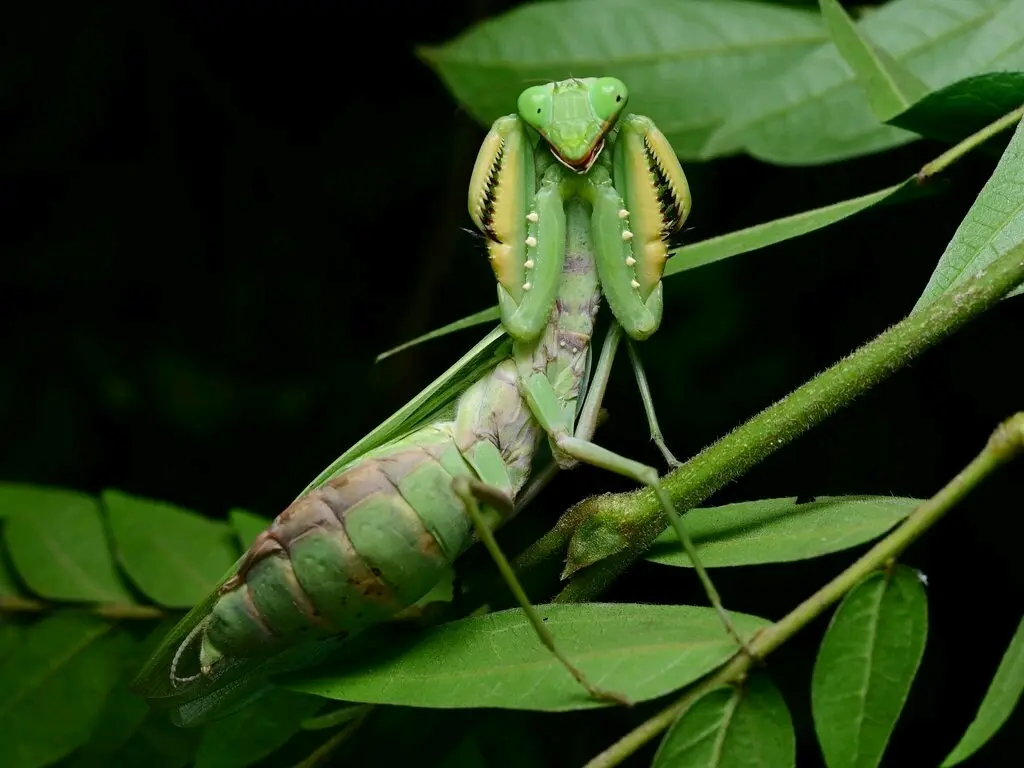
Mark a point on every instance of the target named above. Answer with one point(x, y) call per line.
point(216, 217)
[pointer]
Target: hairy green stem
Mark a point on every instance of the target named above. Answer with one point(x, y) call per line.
point(638, 514)
point(953, 154)
point(1005, 443)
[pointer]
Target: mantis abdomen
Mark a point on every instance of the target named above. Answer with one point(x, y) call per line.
point(379, 535)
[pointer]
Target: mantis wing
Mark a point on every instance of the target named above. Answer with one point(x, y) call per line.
point(243, 679)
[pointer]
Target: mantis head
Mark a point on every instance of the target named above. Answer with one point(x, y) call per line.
point(574, 116)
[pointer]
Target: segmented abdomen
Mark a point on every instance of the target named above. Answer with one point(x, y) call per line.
point(350, 554)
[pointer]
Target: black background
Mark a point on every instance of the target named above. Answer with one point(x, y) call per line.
point(215, 215)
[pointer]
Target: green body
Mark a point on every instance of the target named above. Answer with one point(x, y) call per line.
point(572, 200)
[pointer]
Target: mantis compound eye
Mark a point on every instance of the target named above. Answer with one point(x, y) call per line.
point(608, 95)
point(535, 106)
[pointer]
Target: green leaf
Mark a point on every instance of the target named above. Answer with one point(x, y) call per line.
point(772, 232)
point(815, 112)
point(955, 112)
point(247, 525)
point(17, 499)
point(496, 660)
point(157, 743)
point(8, 580)
point(488, 315)
point(54, 684)
point(1003, 694)
point(889, 87)
point(174, 556)
point(123, 712)
point(688, 65)
point(249, 735)
point(993, 225)
point(61, 551)
point(735, 243)
point(732, 727)
point(10, 636)
point(780, 530)
point(865, 667)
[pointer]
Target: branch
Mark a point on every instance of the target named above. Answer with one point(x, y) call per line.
point(1005, 443)
point(608, 533)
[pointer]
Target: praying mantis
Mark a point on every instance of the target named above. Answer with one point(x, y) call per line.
point(576, 200)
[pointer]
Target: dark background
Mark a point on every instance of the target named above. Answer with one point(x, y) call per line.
point(214, 216)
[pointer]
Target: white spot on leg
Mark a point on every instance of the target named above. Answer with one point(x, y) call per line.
point(527, 286)
point(531, 242)
point(627, 235)
point(630, 261)
point(532, 217)
point(634, 283)
point(623, 213)
point(529, 264)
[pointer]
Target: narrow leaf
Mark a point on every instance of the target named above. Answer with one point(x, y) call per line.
point(866, 665)
point(746, 726)
point(889, 87)
point(496, 660)
point(61, 551)
point(993, 225)
point(251, 734)
point(247, 525)
point(772, 232)
point(488, 315)
point(54, 684)
point(781, 530)
point(1003, 694)
point(687, 65)
point(814, 113)
point(741, 241)
point(174, 556)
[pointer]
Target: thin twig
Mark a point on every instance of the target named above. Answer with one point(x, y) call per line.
point(116, 611)
point(1005, 443)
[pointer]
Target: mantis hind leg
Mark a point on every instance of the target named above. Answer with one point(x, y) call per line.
point(472, 492)
point(544, 404)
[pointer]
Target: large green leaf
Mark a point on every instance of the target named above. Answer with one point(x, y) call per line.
point(745, 726)
point(889, 88)
point(156, 743)
point(174, 556)
point(54, 684)
point(251, 734)
point(781, 530)
point(993, 225)
point(865, 667)
point(816, 112)
point(61, 551)
point(687, 64)
point(123, 712)
point(496, 660)
point(1000, 700)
